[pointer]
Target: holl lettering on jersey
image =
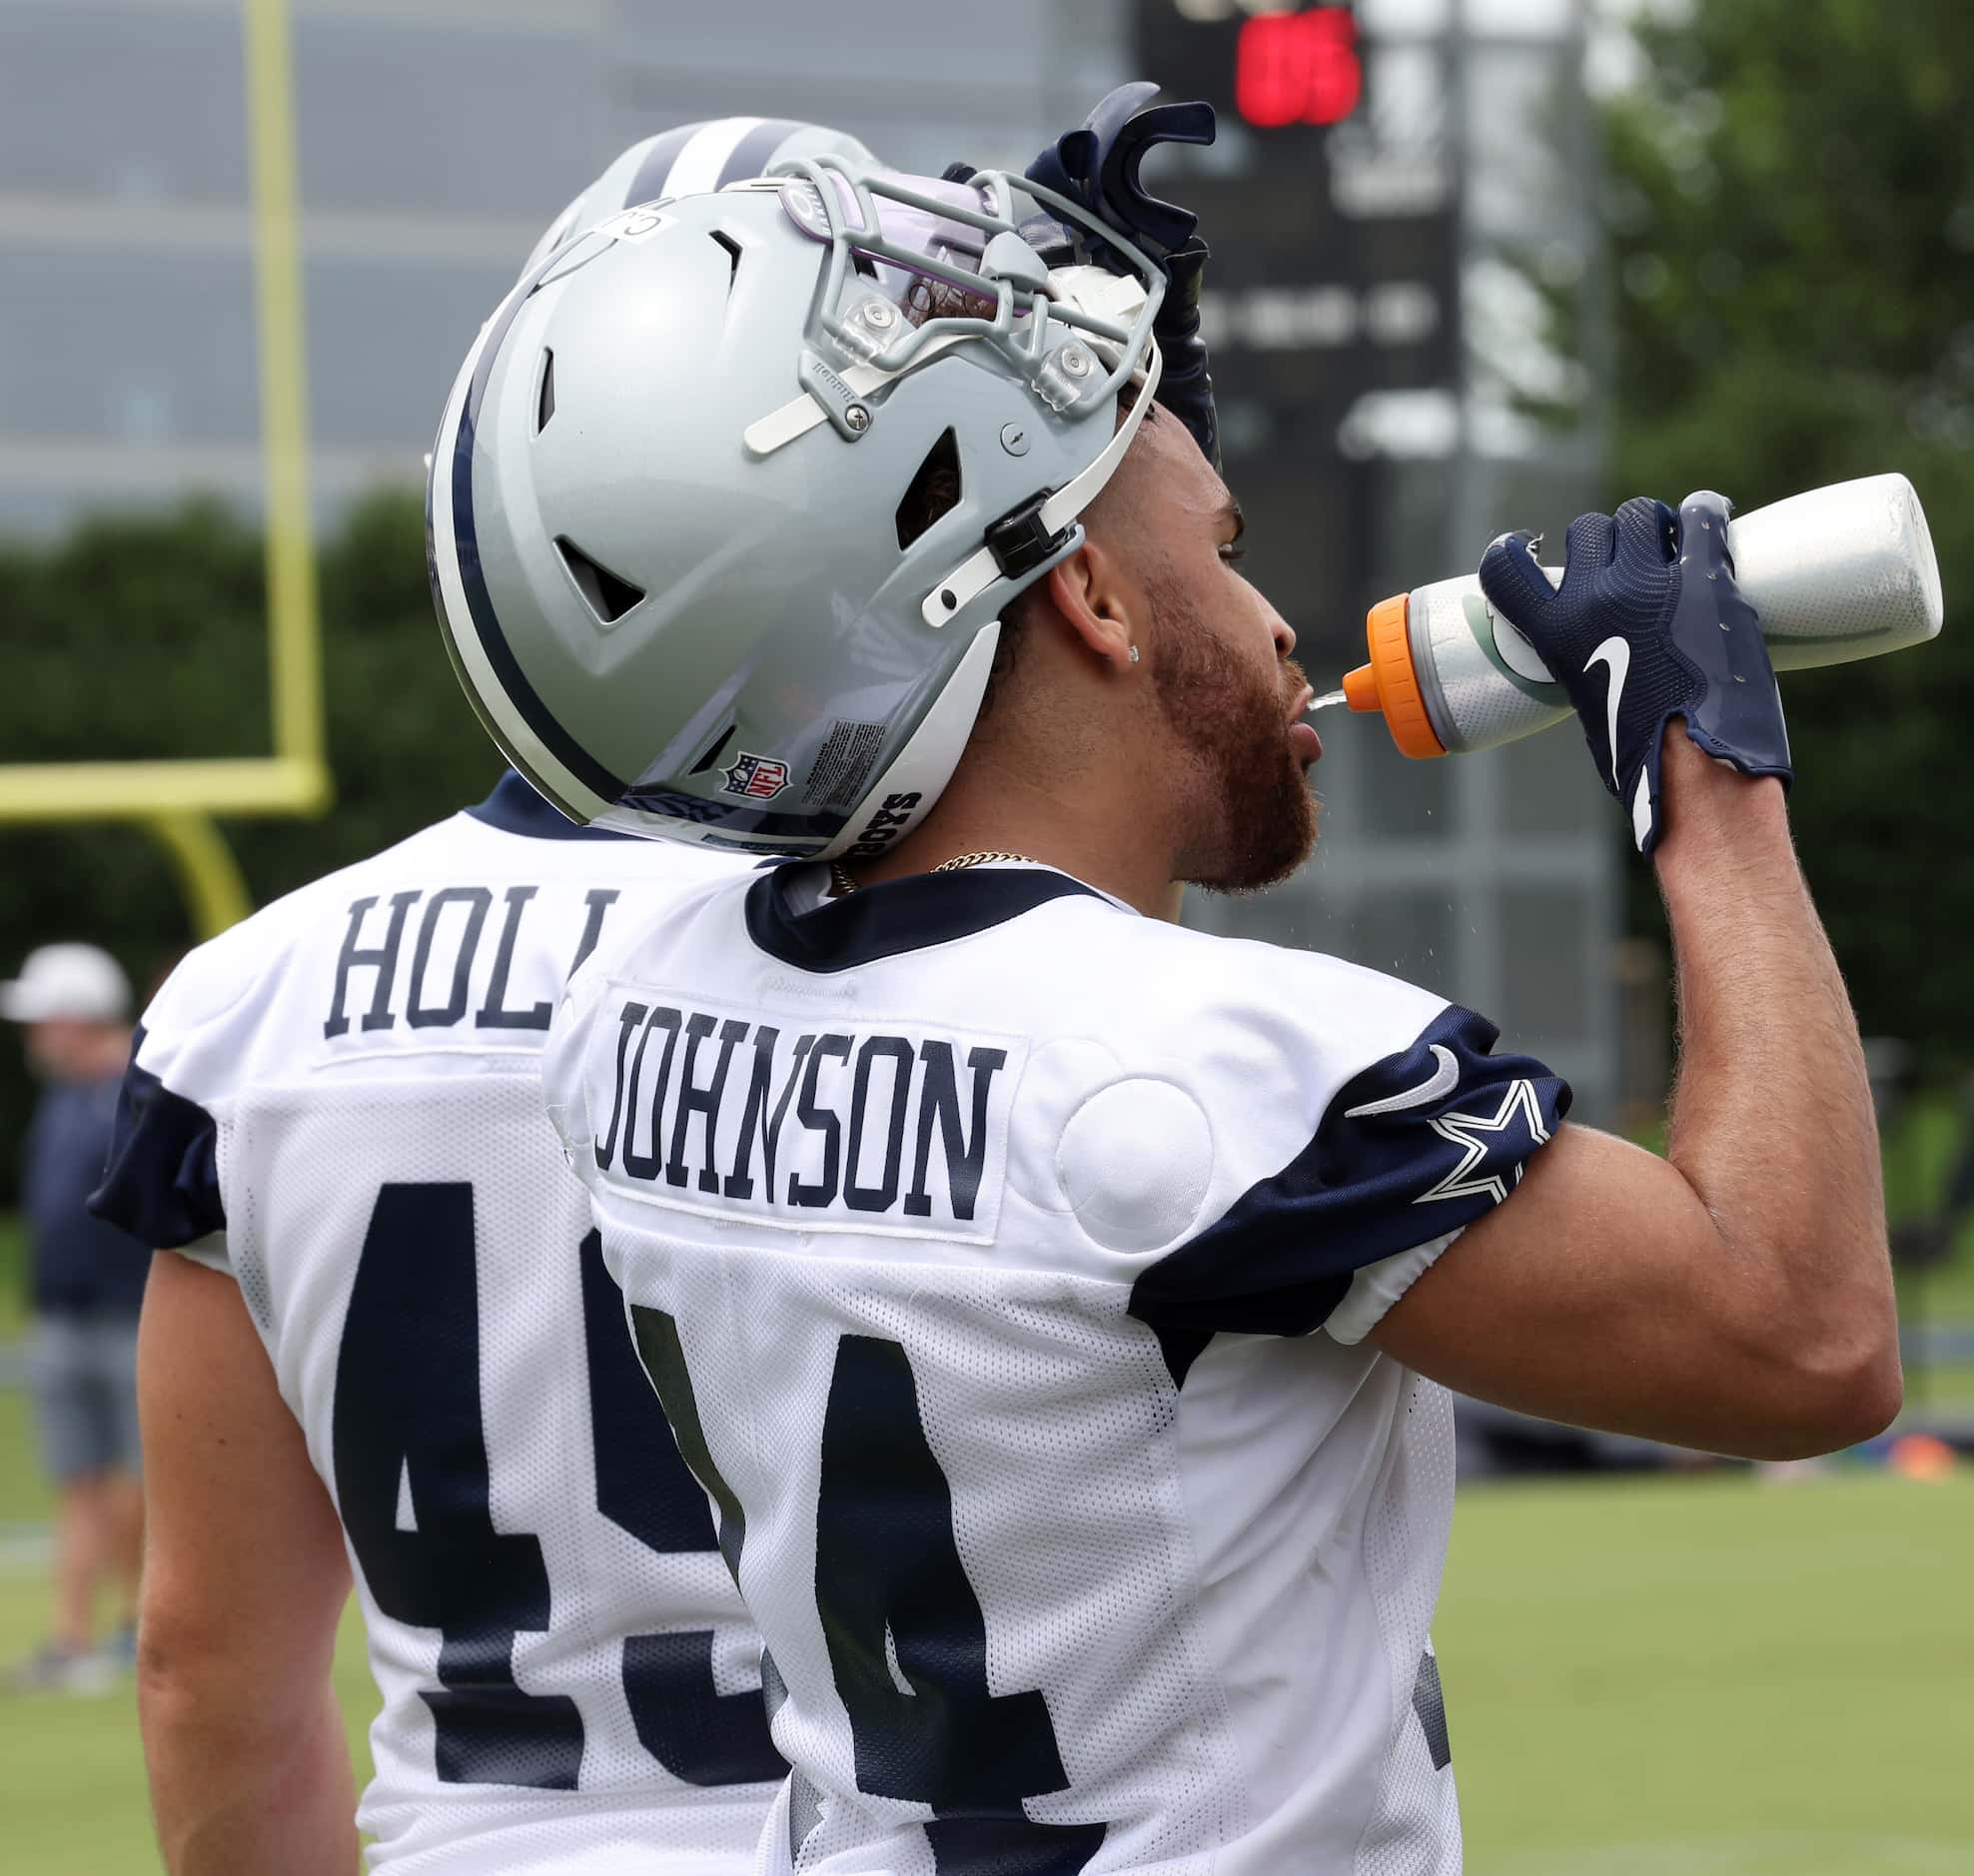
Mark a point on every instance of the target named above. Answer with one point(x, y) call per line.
point(421, 968)
point(793, 1126)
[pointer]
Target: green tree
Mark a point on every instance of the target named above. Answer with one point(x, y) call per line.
point(1790, 210)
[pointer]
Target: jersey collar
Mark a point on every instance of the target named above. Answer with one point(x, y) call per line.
point(898, 915)
point(515, 808)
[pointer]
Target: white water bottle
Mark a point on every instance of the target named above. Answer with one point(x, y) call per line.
point(1838, 573)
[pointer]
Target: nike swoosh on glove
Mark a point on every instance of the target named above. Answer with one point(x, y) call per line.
point(1648, 626)
point(1097, 167)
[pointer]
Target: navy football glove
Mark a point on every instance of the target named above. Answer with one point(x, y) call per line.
point(1096, 166)
point(1649, 625)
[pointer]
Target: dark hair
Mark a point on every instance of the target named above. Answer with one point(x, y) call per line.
point(927, 299)
point(932, 493)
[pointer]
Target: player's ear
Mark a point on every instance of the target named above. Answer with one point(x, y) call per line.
point(1098, 603)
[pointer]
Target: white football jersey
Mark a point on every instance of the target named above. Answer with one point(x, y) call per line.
point(974, 1229)
point(338, 1102)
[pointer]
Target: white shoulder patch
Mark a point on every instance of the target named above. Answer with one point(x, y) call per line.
point(1135, 1162)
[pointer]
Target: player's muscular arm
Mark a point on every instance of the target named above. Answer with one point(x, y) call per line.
point(1738, 1294)
point(244, 1581)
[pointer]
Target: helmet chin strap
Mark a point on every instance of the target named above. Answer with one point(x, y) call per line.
point(981, 568)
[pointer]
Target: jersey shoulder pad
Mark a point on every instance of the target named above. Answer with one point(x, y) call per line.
point(200, 1042)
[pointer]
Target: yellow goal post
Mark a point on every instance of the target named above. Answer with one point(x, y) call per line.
point(175, 800)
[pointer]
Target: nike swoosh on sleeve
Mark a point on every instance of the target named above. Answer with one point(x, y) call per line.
point(1444, 1079)
point(1615, 656)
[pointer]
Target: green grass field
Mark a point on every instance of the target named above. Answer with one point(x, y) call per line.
point(1719, 1676)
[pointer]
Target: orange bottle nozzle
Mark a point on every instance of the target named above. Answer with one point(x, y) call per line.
point(1361, 688)
point(1389, 683)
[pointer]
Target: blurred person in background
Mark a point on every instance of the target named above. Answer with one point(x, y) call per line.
point(72, 1002)
point(380, 1335)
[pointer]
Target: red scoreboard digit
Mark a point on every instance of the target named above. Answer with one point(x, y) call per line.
point(1297, 68)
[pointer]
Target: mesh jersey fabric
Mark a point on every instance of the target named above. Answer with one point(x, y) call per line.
point(974, 1231)
point(338, 1102)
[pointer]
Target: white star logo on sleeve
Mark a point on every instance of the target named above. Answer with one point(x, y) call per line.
point(1475, 1134)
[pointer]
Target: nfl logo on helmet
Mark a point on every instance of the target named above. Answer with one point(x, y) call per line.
point(758, 777)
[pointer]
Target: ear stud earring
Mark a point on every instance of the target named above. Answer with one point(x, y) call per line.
point(1134, 655)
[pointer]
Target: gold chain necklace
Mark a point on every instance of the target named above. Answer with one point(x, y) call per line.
point(841, 884)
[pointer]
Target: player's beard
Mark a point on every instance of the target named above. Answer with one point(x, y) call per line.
point(1234, 724)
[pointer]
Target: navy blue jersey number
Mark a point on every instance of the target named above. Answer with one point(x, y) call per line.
point(408, 1409)
point(692, 1729)
point(899, 1613)
point(906, 1636)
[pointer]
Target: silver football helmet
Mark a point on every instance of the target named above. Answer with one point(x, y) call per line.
point(732, 490)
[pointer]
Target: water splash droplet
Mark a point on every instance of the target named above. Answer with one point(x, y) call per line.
point(1329, 701)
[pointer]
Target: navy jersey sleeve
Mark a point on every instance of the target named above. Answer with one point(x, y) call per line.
point(1408, 1149)
point(160, 1183)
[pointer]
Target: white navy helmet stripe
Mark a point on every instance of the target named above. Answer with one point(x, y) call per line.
point(529, 733)
point(700, 164)
point(652, 176)
point(755, 152)
point(690, 159)
point(696, 159)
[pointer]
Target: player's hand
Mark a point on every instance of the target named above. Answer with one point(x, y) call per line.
point(1649, 625)
point(1096, 166)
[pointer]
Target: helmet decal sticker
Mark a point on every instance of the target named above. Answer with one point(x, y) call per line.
point(758, 777)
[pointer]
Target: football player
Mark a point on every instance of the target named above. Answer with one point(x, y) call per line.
point(381, 1340)
point(1060, 1307)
